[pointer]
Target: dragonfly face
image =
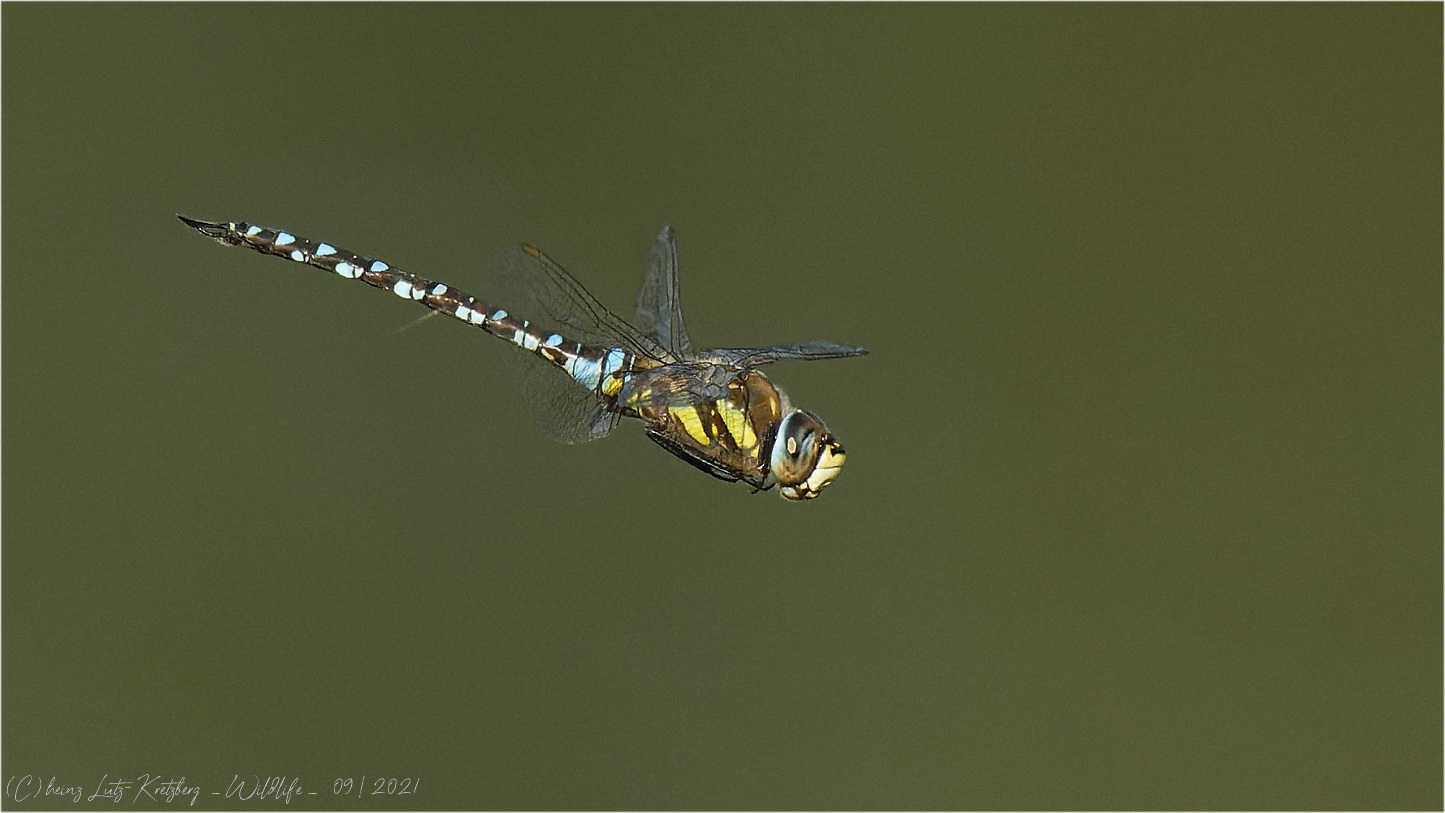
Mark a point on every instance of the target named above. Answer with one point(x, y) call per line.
point(805, 457)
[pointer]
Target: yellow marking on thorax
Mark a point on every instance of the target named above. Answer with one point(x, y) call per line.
point(612, 385)
point(692, 422)
point(640, 397)
point(738, 424)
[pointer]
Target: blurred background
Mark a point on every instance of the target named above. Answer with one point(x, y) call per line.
point(1142, 506)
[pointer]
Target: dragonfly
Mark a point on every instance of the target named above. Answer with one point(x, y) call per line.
point(588, 368)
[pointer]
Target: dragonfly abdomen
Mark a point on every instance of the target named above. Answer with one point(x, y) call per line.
point(597, 368)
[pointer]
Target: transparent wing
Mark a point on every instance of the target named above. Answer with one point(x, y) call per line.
point(683, 384)
point(529, 285)
point(799, 351)
point(695, 458)
point(659, 302)
point(564, 410)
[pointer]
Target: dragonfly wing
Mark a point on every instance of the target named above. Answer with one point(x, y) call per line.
point(799, 351)
point(695, 458)
point(684, 384)
point(659, 302)
point(531, 286)
point(564, 411)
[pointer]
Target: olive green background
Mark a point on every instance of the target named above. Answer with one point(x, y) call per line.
point(1143, 500)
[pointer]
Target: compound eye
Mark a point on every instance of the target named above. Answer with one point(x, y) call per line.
point(800, 442)
point(805, 457)
point(796, 449)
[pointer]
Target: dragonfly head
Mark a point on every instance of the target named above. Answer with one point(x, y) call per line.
point(805, 457)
